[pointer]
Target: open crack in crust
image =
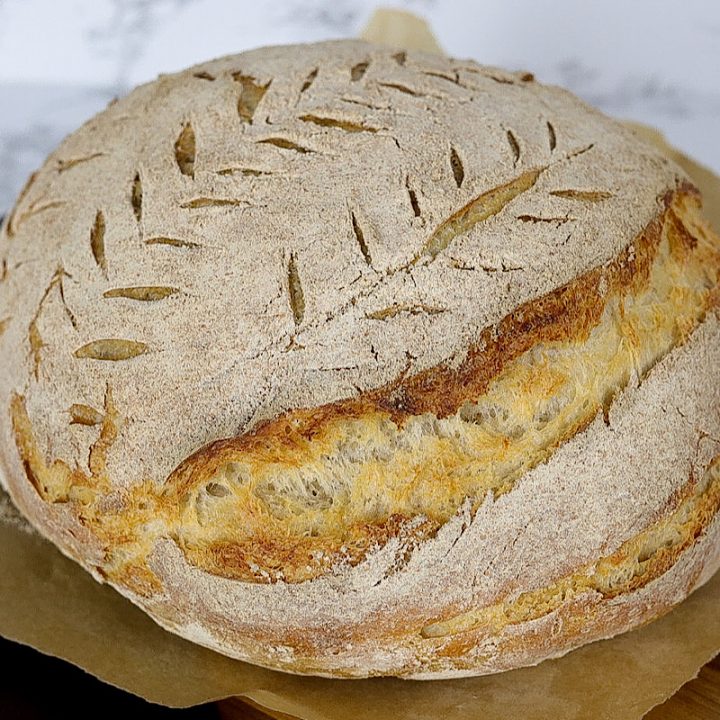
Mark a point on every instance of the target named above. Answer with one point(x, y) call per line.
point(596, 600)
point(315, 488)
point(319, 488)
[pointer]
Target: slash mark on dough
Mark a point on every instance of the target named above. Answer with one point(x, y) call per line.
point(295, 291)
point(97, 242)
point(476, 211)
point(113, 349)
point(185, 150)
point(250, 96)
point(360, 237)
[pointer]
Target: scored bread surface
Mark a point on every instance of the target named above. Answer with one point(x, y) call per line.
point(352, 361)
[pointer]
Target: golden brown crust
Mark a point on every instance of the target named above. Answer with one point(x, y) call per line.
point(567, 315)
point(581, 618)
point(651, 572)
point(582, 606)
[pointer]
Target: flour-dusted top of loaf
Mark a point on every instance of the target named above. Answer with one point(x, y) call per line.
point(291, 226)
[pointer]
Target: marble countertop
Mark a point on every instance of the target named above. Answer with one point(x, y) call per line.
point(655, 61)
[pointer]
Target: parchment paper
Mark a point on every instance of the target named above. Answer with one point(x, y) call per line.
point(51, 604)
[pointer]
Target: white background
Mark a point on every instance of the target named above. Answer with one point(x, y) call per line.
point(657, 61)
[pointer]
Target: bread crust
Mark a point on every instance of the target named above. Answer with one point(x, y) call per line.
point(372, 616)
point(129, 355)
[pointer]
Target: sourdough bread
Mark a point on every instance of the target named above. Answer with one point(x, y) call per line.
point(354, 361)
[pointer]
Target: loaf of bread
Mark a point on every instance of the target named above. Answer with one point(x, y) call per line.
point(351, 361)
